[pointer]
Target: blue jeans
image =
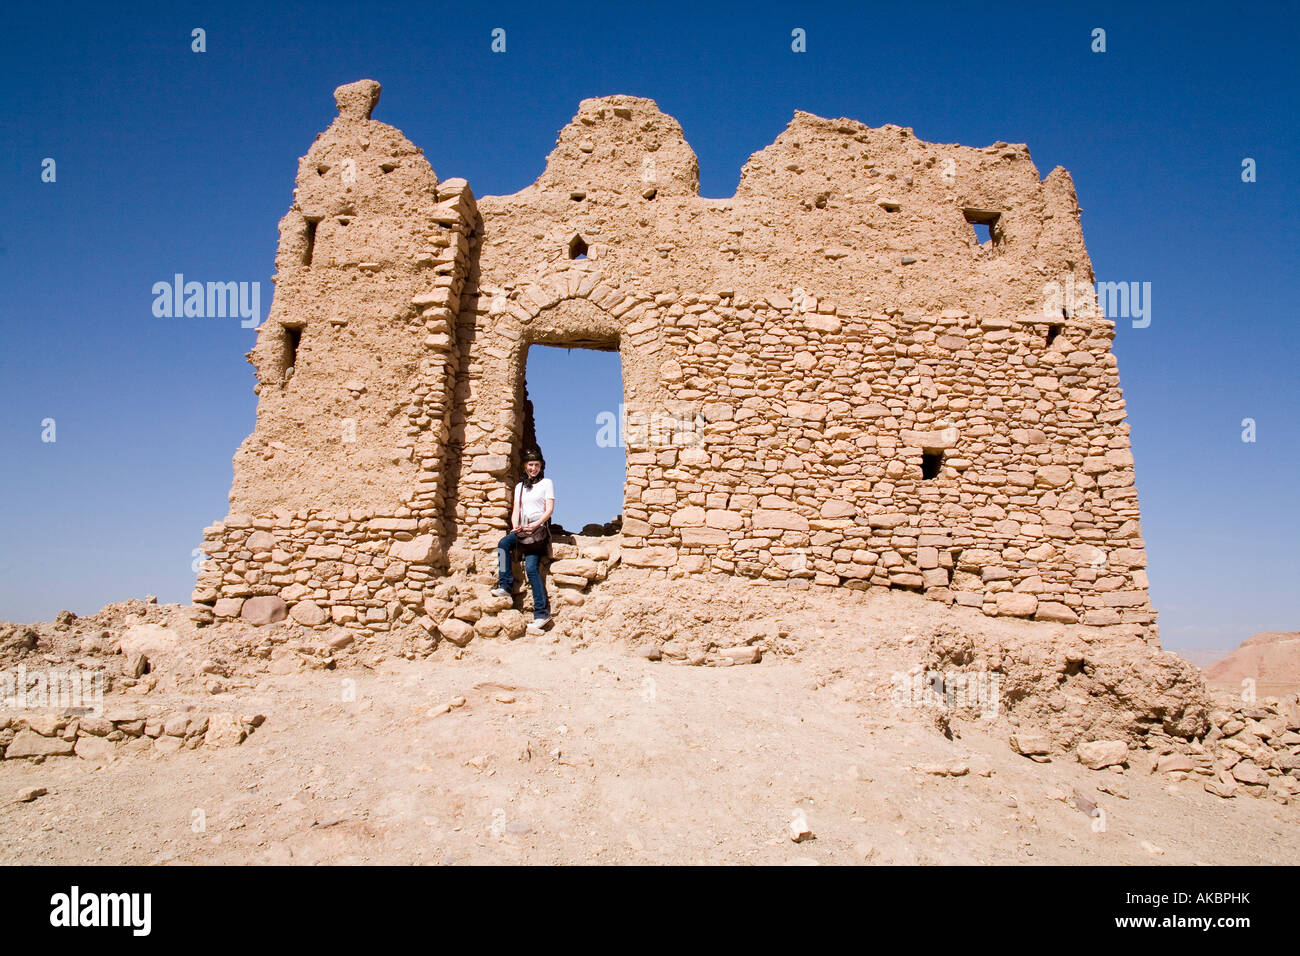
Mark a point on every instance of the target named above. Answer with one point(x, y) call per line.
point(506, 580)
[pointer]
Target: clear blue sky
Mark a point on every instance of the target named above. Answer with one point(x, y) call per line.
point(172, 161)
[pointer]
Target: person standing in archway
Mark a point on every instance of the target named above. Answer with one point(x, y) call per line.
point(530, 531)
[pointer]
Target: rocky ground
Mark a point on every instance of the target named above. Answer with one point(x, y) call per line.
point(578, 747)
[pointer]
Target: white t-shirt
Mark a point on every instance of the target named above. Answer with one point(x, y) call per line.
point(533, 500)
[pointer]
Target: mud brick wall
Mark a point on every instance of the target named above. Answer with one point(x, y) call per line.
point(875, 397)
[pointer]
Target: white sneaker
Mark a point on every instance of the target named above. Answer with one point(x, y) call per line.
point(499, 592)
point(539, 624)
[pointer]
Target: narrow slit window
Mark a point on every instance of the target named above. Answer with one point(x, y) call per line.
point(308, 252)
point(1053, 331)
point(292, 336)
point(931, 462)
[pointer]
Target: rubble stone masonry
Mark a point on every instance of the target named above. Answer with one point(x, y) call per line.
point(882, 400)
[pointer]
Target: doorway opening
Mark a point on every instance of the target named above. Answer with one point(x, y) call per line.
point(573, 412)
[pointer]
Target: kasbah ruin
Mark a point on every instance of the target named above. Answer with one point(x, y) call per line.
point(884, 402)
point(888, 471)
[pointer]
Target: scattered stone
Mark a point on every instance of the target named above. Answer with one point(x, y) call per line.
point(513, 624)
point(94, 726)
point(177, 725)
point(29, 744)
point(1030, 745)
point(1116, 788)
point(151, 640)
point(456, 631)
point(1222, 787)
point(1170, 763)
point(1099, 754)
point(956, 769)
point(47, 725)
point(28, 794)
point(1248, 772)
point(339, 639)
point(224, 730)
point(741, 655)
point(168, 745)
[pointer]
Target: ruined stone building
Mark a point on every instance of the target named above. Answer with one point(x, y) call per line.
point(869, 395)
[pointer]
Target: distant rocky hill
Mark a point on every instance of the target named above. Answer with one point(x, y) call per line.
point(1273, 657)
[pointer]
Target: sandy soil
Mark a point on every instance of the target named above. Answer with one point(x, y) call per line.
point(569, 751)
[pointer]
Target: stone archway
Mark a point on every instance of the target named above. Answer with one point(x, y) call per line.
point(572, 306)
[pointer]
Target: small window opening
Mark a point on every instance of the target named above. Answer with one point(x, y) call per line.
point(577, 248)
point(931, 462)
point(387, 167)
point(1053, 331)
point(308, 252)
point(890, 206)
point(986, 225)
point(577, 195)
point(649, 193)
point(292, 336)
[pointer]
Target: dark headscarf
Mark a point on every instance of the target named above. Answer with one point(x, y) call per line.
point(534, 455)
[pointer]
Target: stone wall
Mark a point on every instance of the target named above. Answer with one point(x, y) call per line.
point(858, 391)
point(123, 730)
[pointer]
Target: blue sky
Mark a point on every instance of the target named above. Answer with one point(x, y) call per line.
point(173, 161)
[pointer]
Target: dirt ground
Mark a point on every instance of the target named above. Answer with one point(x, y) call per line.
point(569, 749)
